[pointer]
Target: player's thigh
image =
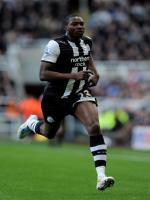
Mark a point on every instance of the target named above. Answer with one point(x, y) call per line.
point(53, 115)
point(87, 113)
point(53, 111)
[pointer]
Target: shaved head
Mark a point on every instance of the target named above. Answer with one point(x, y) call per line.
point(71, 18)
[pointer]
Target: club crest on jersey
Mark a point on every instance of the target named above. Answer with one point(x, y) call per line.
point(63, 42)
point(50, 119)
point(46, 51)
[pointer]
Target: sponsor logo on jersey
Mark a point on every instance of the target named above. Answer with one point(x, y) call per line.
point(79, 59)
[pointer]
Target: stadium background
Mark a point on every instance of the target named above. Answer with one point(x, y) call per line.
point(121, 49)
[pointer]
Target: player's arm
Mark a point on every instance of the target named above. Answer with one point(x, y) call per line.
point(47, 73)
point(48, 62)
point(95, 77)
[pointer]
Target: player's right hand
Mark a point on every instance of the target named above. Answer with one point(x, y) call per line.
point(82, 75)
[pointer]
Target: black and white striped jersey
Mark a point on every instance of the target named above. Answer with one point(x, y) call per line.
point(68, 57)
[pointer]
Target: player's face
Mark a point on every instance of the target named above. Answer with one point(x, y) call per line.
point(76, 27)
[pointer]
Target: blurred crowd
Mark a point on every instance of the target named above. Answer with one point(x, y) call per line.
point(7, 86)
point(120, 29)
point(125, 89)
point(22, 20)
point(128, 106)
point(118, 123)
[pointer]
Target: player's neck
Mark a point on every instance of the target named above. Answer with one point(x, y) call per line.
point(72, 39)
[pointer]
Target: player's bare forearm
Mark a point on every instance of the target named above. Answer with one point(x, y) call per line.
point(92, 67)
point(47, 73)
point(93, 80)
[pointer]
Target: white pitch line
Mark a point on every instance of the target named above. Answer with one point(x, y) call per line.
point(129, 157)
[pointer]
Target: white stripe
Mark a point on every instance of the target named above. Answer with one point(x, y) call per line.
point(69, 88)
point(98, 147)
point(70, 84)
point(100, 157)
point(82, 82)
point(85, 99)
point(74, 48)
point(85, 47)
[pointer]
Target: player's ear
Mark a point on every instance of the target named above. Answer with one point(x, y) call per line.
point(66, 22)
point(65, 27)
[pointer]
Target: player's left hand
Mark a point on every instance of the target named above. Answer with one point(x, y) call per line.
point(93, 79)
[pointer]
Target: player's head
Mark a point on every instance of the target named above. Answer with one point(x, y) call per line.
point(74, 26)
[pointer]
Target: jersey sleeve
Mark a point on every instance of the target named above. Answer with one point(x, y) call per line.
point(51, 52)
point(90, 42)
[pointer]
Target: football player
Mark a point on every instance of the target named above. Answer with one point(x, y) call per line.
point(67, 66)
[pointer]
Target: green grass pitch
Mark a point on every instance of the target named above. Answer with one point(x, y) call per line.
point(41, 172)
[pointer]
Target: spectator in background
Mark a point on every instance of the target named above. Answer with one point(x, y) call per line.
point(3, 45)
point(11, 109)
point(117, 124)
point(8, 101)
point(29, 105)
point(7, 86)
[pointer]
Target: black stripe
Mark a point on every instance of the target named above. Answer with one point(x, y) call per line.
point(37, 127)
point(100, 163)
point(96, 140)
point(75, 87)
